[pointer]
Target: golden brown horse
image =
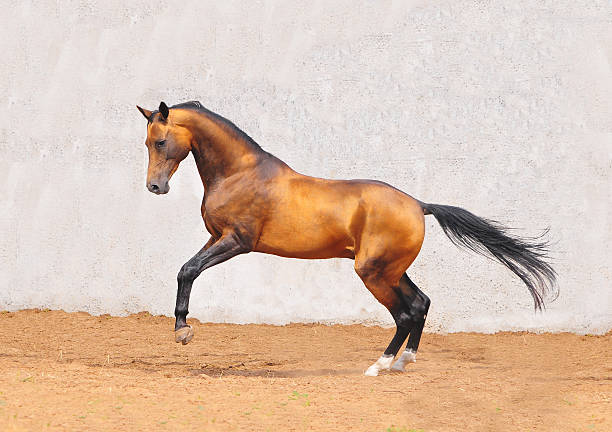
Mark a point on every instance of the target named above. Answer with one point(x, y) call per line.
point(254, 202)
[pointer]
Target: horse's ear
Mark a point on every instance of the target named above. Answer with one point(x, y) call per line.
point(163, 110)
point(145, 112)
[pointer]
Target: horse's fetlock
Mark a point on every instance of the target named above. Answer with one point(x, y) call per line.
point(180, 312)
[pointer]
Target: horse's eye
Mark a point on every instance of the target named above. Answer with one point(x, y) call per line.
point(160, 144)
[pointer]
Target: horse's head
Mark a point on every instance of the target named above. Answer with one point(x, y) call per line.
point(168, 144)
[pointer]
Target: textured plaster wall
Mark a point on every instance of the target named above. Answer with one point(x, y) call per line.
point(501, 107)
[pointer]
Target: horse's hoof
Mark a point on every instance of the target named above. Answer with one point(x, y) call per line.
point(371, 371)
point(407, 356)
point(183, 335)
point(398, 367)
point(383, 363)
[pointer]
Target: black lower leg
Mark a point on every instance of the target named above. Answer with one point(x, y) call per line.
point(182, 300)
point(213, 253)
point(188, 273)
point(403, 324)
point(415, 336)
point(418, 307)
point(401, 333)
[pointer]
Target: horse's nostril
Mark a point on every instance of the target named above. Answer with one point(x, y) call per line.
point(154, 187)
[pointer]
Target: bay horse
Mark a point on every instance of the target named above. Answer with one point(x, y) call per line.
point(254, 202)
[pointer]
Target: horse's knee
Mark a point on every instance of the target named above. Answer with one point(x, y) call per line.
point(187, 273)
point(411, 314)
point(419, 307)
point(423, 305)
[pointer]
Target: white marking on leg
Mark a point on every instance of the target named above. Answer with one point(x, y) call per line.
point(384, 362)
point(408, 356)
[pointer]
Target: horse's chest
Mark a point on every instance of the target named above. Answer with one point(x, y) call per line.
point(222, 212)
point(214, 218)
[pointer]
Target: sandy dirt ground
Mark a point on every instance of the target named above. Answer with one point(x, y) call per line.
point(74, 371)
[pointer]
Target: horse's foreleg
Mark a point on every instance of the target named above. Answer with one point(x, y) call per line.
point(213, 253)
point(182, 299)
point(417, 305)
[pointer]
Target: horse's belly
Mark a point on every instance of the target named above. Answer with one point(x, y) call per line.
point(306, 241)
point(310, 219)
point(306, 251)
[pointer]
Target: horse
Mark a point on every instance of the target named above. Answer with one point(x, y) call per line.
point(254, 202)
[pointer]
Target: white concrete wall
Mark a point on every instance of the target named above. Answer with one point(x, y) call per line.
point(501, 107)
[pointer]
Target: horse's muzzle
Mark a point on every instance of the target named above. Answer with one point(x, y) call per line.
point(158, 188)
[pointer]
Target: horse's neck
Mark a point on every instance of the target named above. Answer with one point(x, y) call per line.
point(220, 152)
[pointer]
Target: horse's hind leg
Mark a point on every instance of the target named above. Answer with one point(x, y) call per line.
point(417, 305)
point(378, 282)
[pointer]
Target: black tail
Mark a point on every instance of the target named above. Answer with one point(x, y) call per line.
point(526, 257)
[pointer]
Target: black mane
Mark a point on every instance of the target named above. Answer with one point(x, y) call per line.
point(197, 106)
